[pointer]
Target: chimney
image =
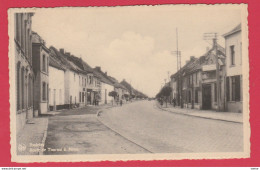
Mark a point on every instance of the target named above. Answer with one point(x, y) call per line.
point(207, 49)
point(98, 68)
point(187, 61)
point(192, 58)
point(106, 73)
point(62, 50)
point(67, 53)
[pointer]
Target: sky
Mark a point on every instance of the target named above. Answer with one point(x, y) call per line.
point(135, 43)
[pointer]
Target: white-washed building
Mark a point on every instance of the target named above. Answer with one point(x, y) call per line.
point(56, 85)
point(234, 67)
point(106, 86)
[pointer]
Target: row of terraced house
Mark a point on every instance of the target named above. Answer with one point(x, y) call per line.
point(49, 79)
point(195, 84)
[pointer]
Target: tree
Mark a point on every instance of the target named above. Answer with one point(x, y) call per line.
point(126, 96)
point(166, 92)
point(112, 94)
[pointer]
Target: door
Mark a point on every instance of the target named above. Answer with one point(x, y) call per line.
point(54, 99)
point(206, 98)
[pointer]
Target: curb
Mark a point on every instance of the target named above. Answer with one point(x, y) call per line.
point(44, 139)
point(231, 121)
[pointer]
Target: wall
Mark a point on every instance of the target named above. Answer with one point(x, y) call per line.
point(56, 81)
point(234, 39)
point(23, 60)
point(106, 88)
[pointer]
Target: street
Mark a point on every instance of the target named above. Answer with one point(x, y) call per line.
point(163, 132)
point(138, 127)
point(79, 132)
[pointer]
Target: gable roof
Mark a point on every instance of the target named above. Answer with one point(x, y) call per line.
point(102, 76)
point(197, 63)
point(55, 63)
point(234, 30)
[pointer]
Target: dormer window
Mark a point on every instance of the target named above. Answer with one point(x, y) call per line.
point(44, 63)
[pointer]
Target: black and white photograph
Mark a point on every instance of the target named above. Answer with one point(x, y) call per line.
point(160, 82)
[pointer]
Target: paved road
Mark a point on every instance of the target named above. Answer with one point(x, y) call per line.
point(164, 132)
point(80, 132)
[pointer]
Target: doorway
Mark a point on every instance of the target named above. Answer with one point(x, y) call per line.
point(206, 97)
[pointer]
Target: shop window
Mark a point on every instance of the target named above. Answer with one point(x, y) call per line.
point(235, 91)
point(227, 89)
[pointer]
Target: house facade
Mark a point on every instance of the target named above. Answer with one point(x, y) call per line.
point(198, 82)
point(40, 54)
point(234, 97)
point(56, 85)
point(24, 75)
point(106, 86)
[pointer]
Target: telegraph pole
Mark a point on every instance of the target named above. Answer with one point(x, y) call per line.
point(178, 55)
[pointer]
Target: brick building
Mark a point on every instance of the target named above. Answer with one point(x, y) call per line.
point(40, 62)
point(24, 75)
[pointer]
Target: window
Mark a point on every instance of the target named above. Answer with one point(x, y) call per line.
point(47, 92)
point(235, 88)
point(85, 81)
point(79, 80)
point(18, 86)
point(47, 64)
point(79, 96)
point(43, 91)
point(29, 91)
point(232, 54)
point(17, 31)
point(60, 96)
point(82, 96)
point(44, 63)
point(74, 77)
point(82, 81)
point(241, 53)
point(215, 92)
point(22, 97)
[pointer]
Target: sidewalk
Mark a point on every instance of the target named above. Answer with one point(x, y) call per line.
point(207, 114)
point(31, 139)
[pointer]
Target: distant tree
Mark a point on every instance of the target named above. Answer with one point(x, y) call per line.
point(126, 96)
point(113, 94)
point(166, 92)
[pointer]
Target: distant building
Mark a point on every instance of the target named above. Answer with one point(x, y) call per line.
point(194, 86)
point(234, 95)
point(40, 60)
point(24, 76)
point(106, 86)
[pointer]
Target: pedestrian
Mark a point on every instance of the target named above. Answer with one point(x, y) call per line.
point(121, 102)
point(161, 102)
point(174, 102)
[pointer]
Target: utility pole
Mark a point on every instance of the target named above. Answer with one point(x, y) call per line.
point(213, 36)
point(179, 86)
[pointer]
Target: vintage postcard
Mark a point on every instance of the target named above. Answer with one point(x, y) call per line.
point(163, 82)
